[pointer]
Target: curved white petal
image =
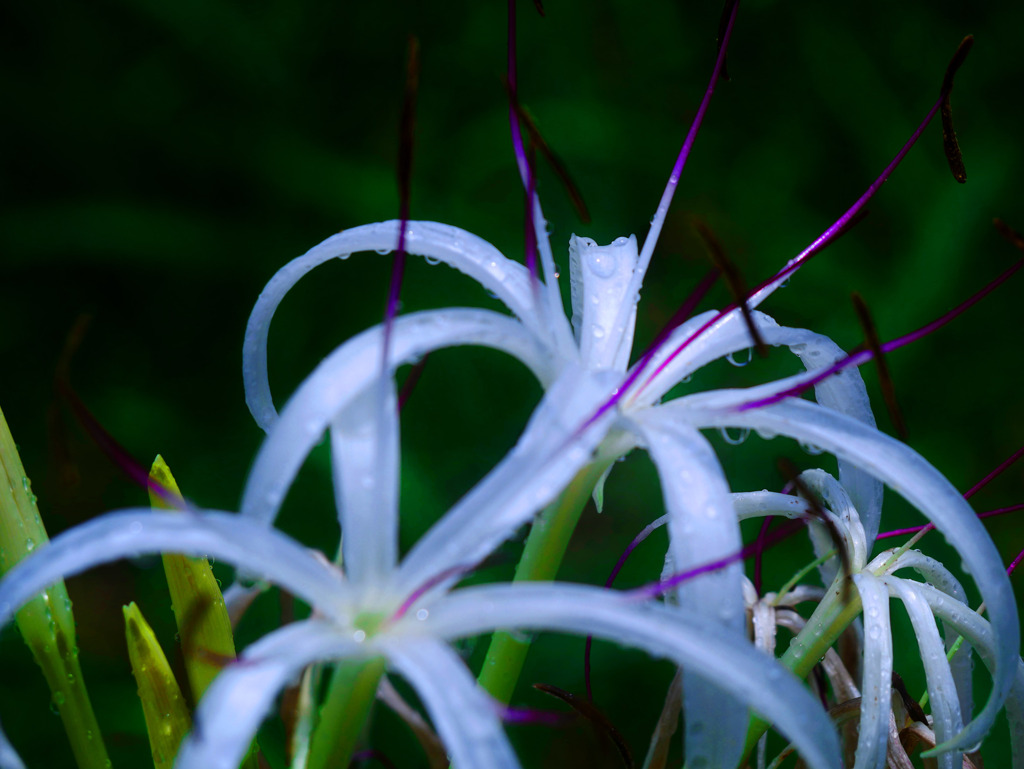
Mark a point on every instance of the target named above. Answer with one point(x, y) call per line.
point(844, 392)
point(912, 477)
point(364, 459)
point(465, 717)
point(876, 685)
point(702, 528)
point(836, 500)
point(129, 533)
point(758, 504)
point(600, 278)
point(240, 697)
point(943, 699)
point(732, 663)
point(353, 368)
point(552, 449)
point(477, 258)
point(978, 632)
point(941, 578)
point(253, 547)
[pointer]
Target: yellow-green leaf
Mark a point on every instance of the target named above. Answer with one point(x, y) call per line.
point(167, 715)
point(203, 624)
point(46, 622)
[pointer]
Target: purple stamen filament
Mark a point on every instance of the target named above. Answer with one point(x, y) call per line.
point(827, 237)
point(416, 594)
point(863, 356)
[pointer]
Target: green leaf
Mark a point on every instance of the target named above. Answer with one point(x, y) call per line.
point(167, 715)
point(46, 622)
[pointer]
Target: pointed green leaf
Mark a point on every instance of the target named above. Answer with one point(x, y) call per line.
point(46, 621)
point(204, 627)
point(203, 623)
point(167, 716)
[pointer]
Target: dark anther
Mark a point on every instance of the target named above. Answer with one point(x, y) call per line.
point(734, 281)
point(792, 474)
point(723, 25)
point(949, 142)
point(575, 196)
point(914, 710)
point(1013, 237)
point(595, 716)
point(884, 378)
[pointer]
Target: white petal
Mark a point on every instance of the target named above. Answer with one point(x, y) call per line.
point(732, 663)
point(758, 504)
point(240, 697)
point(836, 501)
point(247, 545)
point(550, 452)
point(129, 533)
point(8, 758)
point(600, 277)
point(942, 579)
point(876, 685)
point(702, 528)
point(979, 633)
point(477, 258)
point(844, 392)
point(912, 477)
point(355, 366)
point(364, 457)
point(942, 695)
point(465, 717)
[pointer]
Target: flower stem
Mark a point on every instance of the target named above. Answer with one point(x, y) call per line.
point(823, 628)
point(352, 692)
point(542, 556)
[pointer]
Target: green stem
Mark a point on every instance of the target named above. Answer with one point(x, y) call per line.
point(826, 624)
point(542, 556)
point(352, 692)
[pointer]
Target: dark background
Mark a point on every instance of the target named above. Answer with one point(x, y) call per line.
point(161, 160)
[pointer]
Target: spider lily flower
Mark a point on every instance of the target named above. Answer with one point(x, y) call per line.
point(594, 346)
point(410, 630)
point(947, 664)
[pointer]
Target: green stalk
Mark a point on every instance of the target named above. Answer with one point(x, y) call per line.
point(352, 692)
point(46, 622)
point(826, 624)
point(542, 556)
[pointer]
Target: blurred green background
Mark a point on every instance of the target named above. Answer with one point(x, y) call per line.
point(162, 159)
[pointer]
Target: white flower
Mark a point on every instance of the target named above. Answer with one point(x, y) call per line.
point(598, 401)
point(939, 597)
point(409, 625)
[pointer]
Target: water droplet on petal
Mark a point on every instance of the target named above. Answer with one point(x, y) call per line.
point(734, 439)
point(811, 449)
point(739, 362)
point(431, 260)
point(602, 263)
point(422, 614)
